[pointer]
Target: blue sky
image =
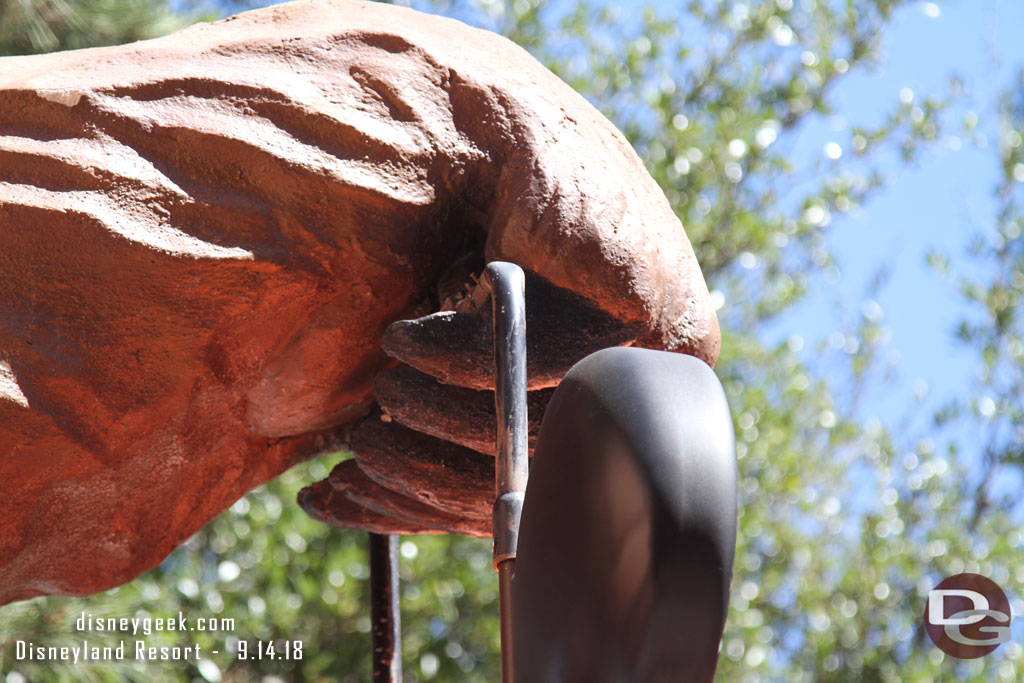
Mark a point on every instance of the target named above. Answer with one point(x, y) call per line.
point(938, 203)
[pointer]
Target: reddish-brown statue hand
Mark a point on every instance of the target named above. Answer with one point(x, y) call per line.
point(204, 237)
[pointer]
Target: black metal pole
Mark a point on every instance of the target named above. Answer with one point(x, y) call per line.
point(385, 613)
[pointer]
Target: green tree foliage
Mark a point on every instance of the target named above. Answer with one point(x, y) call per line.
point(846, 520)
point(33, 26)
point(994, 287)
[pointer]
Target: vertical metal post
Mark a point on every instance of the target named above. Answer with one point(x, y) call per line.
point(508, 300)
point(385, 613)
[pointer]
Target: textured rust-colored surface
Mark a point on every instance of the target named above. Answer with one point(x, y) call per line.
point(203, 238)
point(459, 349)
point(323, 502)
point(462, 416)
point(351, 482)
point(443, 475)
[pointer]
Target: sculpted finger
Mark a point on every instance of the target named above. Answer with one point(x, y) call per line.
point(443, 475)
point(321, 502)
point(350, 499)
point(462, 416)
point(458, 347)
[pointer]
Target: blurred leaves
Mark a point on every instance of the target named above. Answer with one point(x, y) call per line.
point(33, 26)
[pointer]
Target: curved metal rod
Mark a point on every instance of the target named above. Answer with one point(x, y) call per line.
point(507, 285)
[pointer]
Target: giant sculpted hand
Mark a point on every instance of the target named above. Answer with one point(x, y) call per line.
point(204, 237)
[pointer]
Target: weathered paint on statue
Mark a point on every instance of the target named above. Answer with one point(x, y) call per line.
point(203, 238)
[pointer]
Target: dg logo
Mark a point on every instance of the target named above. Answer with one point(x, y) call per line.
point(967, 616)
